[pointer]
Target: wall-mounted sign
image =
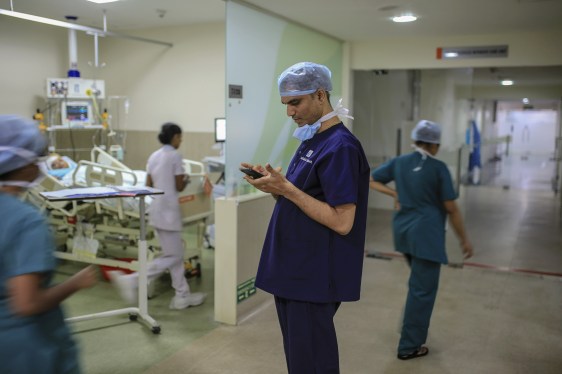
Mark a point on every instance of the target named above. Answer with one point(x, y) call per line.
point(246, 289)
point(234, 91)
point(492, 51)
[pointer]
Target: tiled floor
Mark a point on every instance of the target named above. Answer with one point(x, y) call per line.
point(484, 322)
point(500, 313)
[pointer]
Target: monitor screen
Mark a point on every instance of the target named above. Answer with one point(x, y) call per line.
point(220, 130)
point(76, 113)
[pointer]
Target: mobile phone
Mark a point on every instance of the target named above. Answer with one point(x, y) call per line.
point(251, 172)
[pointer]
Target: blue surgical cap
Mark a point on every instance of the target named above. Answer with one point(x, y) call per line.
point(304, 78)
point(427, 131)
point(20, 142)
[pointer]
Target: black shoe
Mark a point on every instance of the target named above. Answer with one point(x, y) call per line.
point(420, 352)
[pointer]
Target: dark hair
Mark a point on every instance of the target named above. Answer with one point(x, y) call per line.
point(419, 143)
point(327, 95)
point(167, 132)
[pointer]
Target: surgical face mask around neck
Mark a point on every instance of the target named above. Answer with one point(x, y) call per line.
point(26, 184)
point(424, 155)
point(307, 131)
point(33, 158)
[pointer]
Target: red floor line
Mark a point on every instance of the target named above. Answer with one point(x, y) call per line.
point(515, 270)
point(491, 267)
point(539, 272)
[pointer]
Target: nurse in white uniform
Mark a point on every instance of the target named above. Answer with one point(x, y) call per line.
point(165, 172)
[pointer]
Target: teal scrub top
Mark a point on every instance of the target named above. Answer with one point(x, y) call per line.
point(422, 186)
point(40, 343)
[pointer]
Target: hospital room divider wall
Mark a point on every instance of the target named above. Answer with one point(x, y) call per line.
point(258, 129)
point(241, 227)
point(242, 217)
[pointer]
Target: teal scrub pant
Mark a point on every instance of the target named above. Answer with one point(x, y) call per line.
point(422, 291)
point(38, 349)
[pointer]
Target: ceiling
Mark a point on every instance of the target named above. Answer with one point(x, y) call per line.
point(348, 20)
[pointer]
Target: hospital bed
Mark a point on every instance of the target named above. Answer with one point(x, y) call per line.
point(115, 222)
point(105, 170)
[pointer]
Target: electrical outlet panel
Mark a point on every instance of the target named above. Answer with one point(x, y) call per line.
point(75, 88)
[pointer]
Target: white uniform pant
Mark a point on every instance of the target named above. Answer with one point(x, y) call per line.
point(172, 258)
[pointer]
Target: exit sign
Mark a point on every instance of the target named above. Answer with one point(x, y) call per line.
point(491, 51)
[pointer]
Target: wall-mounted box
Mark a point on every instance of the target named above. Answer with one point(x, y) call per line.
point(75, 88)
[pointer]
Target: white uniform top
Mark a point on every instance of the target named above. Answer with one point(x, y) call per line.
point(163, 166)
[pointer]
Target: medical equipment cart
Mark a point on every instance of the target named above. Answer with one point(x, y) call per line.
point(90, 193)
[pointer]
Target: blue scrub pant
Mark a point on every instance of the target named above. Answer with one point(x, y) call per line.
point(422, 291)
point(309, 336)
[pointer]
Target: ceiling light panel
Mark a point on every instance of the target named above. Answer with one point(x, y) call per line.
point(102, 1)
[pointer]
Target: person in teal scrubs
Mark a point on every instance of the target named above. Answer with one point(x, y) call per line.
point(423, 198)
point(34, 337)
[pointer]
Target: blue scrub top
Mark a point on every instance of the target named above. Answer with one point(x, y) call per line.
point(302, 259)
point(419, 225)
point(40, 343)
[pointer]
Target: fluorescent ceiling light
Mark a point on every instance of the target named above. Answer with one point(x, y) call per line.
point(73, 26)
point(102, 1)
point(451, 54)
point(405, 18)
point(44, 20)
point(507, 82)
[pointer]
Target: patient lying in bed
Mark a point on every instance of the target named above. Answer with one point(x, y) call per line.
point(70, 173)
point(58, 166)
point(88, 173)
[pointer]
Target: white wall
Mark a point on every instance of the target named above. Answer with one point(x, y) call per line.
point(438, 103)
point(525, 49)
point(30, 53)
point(448, 106)
point(183, 83)
point(382, 105)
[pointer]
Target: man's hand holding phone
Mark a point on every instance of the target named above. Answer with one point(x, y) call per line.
point(274, 183)
point(251, 173)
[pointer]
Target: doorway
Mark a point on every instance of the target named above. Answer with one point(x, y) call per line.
point(512, 215)
point(529, 161)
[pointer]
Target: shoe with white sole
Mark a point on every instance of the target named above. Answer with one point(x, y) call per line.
point(192, 299)
point(126, 286)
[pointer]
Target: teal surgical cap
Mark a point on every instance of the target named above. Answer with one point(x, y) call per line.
point(304, 78)
point(21, 143)
point(427, 131)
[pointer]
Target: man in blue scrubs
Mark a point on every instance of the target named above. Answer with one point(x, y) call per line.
point(424, 196)
point(33, 335)
point(312, 257)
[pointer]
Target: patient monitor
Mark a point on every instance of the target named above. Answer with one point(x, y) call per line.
point(77, 113)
